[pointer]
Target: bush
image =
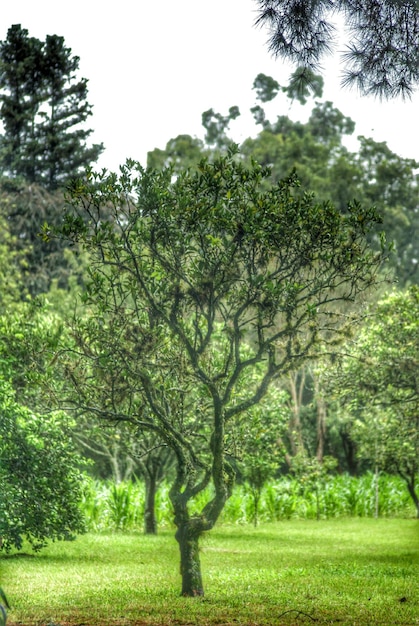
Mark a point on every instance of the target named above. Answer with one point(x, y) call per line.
point(39, 476)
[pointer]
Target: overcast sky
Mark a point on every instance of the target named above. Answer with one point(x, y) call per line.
point(154, 67)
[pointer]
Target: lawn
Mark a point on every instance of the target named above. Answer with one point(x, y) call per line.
point(343, 571)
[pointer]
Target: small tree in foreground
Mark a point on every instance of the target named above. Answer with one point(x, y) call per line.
point(196, 281)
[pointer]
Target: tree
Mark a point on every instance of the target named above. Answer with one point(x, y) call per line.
point(382, 57)
point(39, 476)
point(259, 443)
point(43, 110)
point(378, 385)
point(26, 208)
point(28, 340)
point(391, 181)
point(216, 126)
point(180, 152)
point(195, 281)
point(374, 175)
point(126, 454)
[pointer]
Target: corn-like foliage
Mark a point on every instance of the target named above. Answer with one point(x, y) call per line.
point(110, 507)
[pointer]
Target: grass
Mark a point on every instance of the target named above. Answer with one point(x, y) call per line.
point(341, 571)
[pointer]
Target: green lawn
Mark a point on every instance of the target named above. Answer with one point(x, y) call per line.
point(345, 571)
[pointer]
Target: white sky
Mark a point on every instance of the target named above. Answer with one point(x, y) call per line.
point(154, 67)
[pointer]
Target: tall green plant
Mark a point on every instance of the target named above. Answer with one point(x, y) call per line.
point(286, 498)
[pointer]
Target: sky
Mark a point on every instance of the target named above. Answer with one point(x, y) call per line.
point(154, 67)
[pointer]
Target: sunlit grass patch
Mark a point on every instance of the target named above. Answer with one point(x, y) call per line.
point(346, 571)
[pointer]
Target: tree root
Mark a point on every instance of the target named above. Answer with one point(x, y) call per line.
point(298, 612)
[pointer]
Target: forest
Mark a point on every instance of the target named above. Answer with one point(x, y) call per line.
point(224, 339)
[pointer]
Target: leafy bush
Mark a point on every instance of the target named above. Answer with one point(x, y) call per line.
point(39, 476)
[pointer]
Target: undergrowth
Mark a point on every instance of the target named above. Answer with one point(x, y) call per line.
point(108, 506)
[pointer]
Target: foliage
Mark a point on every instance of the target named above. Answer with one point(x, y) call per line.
point(304, 83)
point(108, 507)
point(43, 110)
point(378, 384)
point(12, 267)
point(259, 443)
point(40, 480)
point(390, 181)
point(195, 281)
point(29, 340)
point(313, 472)
point(181, 152)
point(26, 208)
point(266, 87)
point(374, 175)
point(216, 126)
point(382, 56)
point(29, 337)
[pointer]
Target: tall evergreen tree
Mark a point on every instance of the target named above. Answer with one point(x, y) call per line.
point(43, 109)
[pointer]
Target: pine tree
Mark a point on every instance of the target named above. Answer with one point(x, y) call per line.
point(43, 109)
point(382, 56)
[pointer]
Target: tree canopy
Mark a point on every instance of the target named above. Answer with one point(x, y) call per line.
point(382, 56)
point(374, 175)
point(204, 289)
point(43, 110)
point(377, 384)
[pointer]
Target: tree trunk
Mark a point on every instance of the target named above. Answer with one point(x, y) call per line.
point(321, 420)
point(410, 481)
point(349, 449)
point(150, 521)
point(295, 434)
point(190, 564)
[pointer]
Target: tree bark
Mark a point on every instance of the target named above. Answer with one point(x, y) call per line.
point(296, 387)
point(190, 563)
point(410, 481)
point(150, 521)
point(321, 419)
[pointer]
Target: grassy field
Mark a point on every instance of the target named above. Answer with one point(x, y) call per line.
point(342, 571)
